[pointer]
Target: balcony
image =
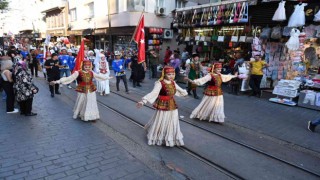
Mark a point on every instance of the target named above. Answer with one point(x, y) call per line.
point(53, 5)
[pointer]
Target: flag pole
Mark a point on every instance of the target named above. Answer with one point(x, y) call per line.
point(135, 30)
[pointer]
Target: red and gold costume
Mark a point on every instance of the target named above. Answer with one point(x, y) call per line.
point(211, 107)
point(86, 104)
point(164, 128)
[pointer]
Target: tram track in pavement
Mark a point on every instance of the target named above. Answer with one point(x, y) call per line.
point(209, 162)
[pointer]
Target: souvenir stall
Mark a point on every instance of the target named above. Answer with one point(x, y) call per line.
point(290, 49)
point(213, 30)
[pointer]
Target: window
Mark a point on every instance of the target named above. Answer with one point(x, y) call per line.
point(136, 5)
point(73, 14)
point(181, 4)
point(91, 9)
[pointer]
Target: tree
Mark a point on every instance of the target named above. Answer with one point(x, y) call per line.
point(3, 4)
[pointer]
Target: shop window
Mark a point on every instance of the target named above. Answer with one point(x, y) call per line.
point(136, 5)
point(181, 4)
point(73, 14)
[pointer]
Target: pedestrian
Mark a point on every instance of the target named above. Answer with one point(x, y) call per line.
point(91, 57)
point(184, 57)
point(7, 83)
point(52, 66)
point(86, 107)
point(154, 62)
point(167, 56)
point(193, 70)
point(256, 75)
point(164, 127)
point(175, 63)
point(25, 89)
point(211, 107)
point(33, 62)
point(71, 59)
point(103, 69)
point(313, 124)
point(137, 71)
point(65, 63)
point(118, 67)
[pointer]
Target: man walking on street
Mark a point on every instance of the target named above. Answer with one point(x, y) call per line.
point(118, 67)
point(65, 64)
point(52, 66)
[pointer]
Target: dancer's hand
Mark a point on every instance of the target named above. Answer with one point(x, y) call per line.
point(139, 104)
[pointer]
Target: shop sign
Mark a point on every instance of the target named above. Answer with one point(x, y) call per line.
point(75, 32)
point(100, 31)
point(56, 32)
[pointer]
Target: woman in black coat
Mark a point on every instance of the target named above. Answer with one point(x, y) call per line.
point(137, 71)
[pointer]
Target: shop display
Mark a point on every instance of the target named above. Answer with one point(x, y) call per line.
point(280, 14)
point(317, 17)
point(287, 89)
point(155, 38)
point(298, 17)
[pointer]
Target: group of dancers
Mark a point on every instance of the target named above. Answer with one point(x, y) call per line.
point(163, 128)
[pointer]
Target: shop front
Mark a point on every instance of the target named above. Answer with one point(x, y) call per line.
point(289, 46)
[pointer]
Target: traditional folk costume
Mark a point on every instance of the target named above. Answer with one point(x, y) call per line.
point(86, 104)
point(102, 68)
point(164, 125)
point(211, 106)
point(193, 70)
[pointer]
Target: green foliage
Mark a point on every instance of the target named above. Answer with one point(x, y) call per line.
point(3, 4)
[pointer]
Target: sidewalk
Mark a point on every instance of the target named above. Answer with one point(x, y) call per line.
point(52, 145)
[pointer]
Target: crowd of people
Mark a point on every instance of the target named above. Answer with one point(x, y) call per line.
point(20, 66)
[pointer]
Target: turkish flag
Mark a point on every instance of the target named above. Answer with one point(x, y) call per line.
point(139, 39)
point(79, 58)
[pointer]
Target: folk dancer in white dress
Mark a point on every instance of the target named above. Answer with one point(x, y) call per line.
point(86, 104)
point(298, 17)
point(280, 14)
point(164, 127)
point(102, 67)
point(211, 107)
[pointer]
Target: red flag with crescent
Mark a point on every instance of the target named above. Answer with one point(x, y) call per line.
point(139, 38)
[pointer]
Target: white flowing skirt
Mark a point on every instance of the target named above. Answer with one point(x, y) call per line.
point(103, 86)
point(210, 108)
point(164, 128)
point(86, 107)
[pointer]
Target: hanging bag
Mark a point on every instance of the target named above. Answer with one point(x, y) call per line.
point(232, 13)
point(187, 38)
point(214, 36)
point(243, 17)
point(266, 32)
point(276, 32)
point(237, 13)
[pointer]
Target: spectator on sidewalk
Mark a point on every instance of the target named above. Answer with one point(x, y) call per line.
point(175, 63)
point(52, 66)
point(25, 89)
point(256, 75)
point(313, 124)
point(65, 63)
point(118, 67)
point(154, 62)
point(167, 56)
point(184, 57)
point(7, 83)
point(33, 63)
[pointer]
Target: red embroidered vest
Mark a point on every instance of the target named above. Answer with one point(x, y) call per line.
point(214, 86)
point(165, 100)
point(85, 83)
